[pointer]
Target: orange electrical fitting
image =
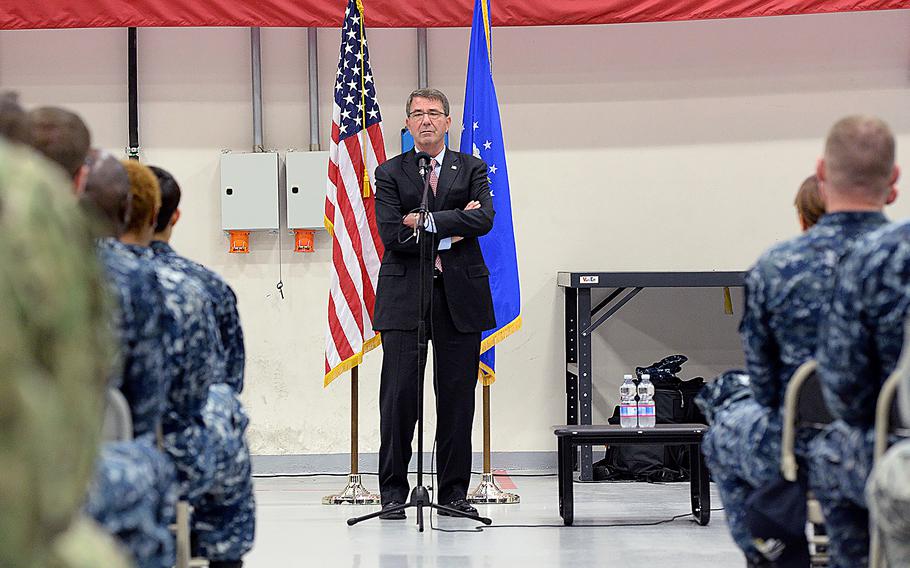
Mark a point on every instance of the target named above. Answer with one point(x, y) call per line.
point(239, 242)
point(303, 240)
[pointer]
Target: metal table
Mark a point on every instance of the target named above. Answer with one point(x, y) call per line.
point(579, 326)
point(690, 434)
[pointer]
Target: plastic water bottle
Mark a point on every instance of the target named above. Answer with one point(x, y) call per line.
point(628, 409)
point(646, 415)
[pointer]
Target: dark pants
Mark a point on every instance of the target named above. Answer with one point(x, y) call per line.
point(457, 360)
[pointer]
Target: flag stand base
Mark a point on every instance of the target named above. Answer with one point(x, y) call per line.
point(353, 494)
point(487, 492)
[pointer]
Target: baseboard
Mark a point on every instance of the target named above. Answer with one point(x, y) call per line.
point(341, 463)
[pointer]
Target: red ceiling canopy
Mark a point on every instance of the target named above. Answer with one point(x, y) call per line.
point(32, 14)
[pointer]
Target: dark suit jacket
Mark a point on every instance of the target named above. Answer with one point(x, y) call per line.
point(463, 178)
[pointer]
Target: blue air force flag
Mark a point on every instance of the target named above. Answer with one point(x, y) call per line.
point(482, 136)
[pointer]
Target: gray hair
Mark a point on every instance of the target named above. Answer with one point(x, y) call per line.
point(431, 94)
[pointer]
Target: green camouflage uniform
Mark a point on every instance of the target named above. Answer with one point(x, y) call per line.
point(53, 363)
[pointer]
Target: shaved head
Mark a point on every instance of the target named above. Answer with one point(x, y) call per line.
point(107, 191)
point(859, 156)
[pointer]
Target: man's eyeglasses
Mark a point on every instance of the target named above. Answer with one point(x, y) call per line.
point(433, 114)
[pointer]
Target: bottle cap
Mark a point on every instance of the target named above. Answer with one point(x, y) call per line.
point(646, 377)
point(627, 376)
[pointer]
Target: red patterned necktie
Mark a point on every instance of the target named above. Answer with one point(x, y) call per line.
point(434, 180)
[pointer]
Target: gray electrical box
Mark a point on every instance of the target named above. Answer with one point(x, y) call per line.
point(249, 191)
point(307, 175)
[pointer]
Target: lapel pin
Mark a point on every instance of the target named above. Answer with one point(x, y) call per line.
point(454, 167)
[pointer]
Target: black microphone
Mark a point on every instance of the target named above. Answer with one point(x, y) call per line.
point(423, 162)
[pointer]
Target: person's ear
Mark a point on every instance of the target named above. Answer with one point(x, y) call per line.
point(80, 179)
point(175, 216)
point(894, 192)
point(822, 189)
point(820, 172)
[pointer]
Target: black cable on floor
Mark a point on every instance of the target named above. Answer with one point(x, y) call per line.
point(482, 528)
point(289, 475)
point(373, 473)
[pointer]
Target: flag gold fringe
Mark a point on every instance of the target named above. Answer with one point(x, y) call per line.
point(485, 374)
point(329, 226)
point(352, 361)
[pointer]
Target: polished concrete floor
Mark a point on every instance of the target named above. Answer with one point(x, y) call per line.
point(296, 530)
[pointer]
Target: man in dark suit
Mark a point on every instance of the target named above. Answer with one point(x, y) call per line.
point(460, 303)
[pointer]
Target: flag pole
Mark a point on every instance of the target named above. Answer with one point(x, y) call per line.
point(354, 492)
point(487, 492)
point(355, 419)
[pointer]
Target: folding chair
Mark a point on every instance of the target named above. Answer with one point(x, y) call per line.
point(181, 526)
point(804, 406)
point(118, 427)
point(118, 420)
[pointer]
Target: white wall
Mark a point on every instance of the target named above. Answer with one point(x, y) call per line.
point(635, 147)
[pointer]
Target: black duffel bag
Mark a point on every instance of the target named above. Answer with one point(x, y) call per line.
point(674, 403)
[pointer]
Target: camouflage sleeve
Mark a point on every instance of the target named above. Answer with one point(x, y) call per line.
point(149, 365)
point(205, 353)
point(759, 344)
point(232, 338)
point(845, 343)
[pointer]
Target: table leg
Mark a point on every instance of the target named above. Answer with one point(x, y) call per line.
point(585, 376)
point(699, 486)
point(566, 451)
point(571, 317)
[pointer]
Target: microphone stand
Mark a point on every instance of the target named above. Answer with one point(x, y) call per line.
point(420, 495)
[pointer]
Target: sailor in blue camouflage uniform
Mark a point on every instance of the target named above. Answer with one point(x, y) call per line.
point(133, 492)
point(224, 519)
point(192, 348)
point(863, 336)
point(888, 493)
point(786, 293)
point(860, 338)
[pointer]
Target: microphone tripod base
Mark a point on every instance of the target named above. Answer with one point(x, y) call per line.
point(420, 499)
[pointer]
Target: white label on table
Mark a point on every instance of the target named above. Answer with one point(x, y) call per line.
point(588, 279)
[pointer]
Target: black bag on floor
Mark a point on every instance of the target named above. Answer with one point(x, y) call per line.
point(674, 402)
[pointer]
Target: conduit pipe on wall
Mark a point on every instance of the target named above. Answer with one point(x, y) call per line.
point(313, 72)
point(422, 58)
point(256, 60)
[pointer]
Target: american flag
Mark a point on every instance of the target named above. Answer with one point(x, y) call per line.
point(350, 214)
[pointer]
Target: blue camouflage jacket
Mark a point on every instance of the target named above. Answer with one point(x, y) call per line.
point(194, 361)
point(786, 293)
point(224, 305)
point(860, 340)
point(140, 325)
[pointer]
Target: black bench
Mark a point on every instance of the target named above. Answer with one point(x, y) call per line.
point(570, 437)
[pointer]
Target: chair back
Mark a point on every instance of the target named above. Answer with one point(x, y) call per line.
point(804, 407)
point(118, 420)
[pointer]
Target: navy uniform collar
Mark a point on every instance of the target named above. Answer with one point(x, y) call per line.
point(851, 217)
point(161, 247)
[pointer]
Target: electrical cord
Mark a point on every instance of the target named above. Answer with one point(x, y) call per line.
point(374, 474)
point(482, 528)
